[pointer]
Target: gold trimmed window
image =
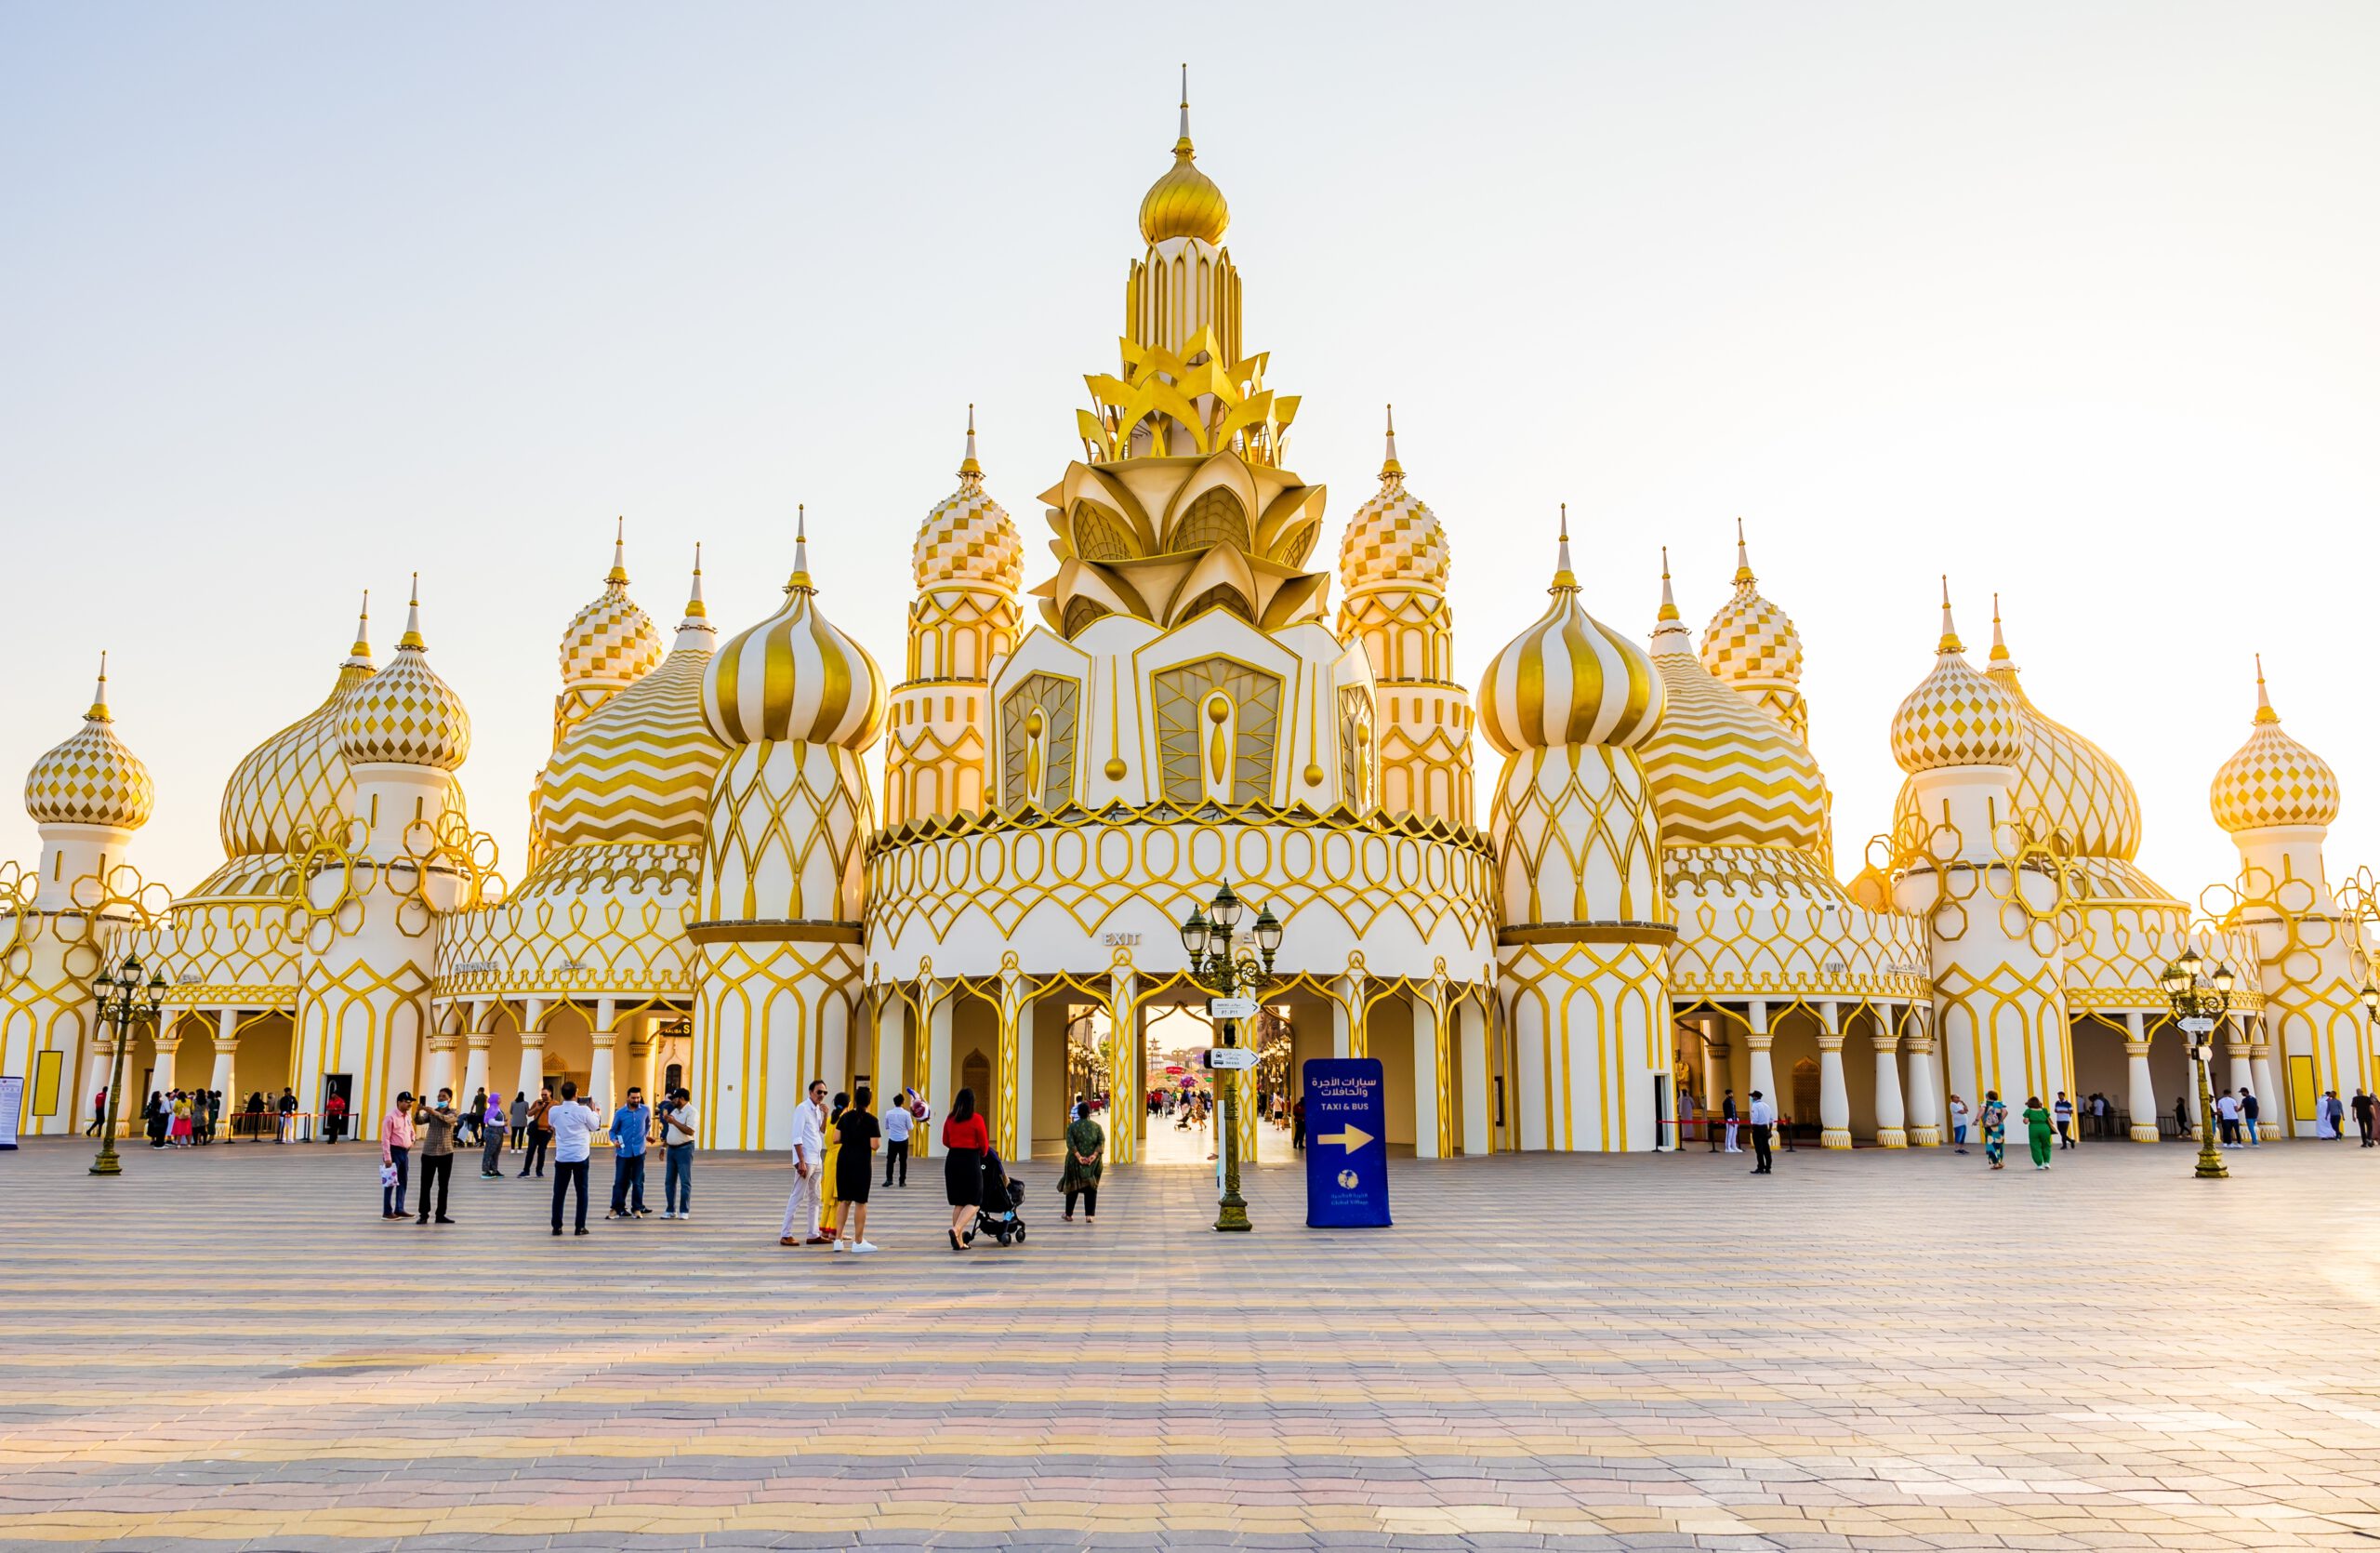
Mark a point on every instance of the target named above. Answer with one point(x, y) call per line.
point(1039, 720)
point(1189, 735)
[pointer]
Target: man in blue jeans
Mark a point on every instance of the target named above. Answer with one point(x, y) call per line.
point(630, 1125)
point(677, 1156)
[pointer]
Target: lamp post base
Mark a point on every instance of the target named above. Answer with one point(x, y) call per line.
point(107, 1165)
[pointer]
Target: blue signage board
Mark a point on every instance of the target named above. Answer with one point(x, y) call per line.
point(1347, 1144)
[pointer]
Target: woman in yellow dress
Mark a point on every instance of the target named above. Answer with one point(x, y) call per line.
point(830, 1207)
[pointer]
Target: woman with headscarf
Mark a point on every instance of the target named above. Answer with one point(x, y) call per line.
point(1085, 1143)
point(830, 1200)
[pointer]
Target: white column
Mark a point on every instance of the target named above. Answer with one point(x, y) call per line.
point(1835, 1096)
point(2273, 1117)
point(605, 1037)
point(941, 1082)
point(891, 1047)
point(166, 1048)
point(2141, 1089)
point(1890, 1133)
point(533, 1046)
point(1764, 1072)
point(1128, 1078)
point(1426, 1015)
point(1924, 1104)
point(1714, 1066)
point(1346, 1039)
point(1470, 1026)
point(476, 1037)
point(227, 1043)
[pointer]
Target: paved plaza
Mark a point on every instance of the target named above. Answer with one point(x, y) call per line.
point(230, 1348)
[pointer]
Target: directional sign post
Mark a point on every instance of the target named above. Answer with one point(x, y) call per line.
point(1347, 1144)
point(1232, 1058)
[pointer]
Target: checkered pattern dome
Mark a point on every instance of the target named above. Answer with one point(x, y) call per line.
point(91, 779)
point(609, 643)
point(405, 715)
point(1956, 717)
point(1393, 541)
point(1751, 641)
point(2273, 781)
point(968, 538)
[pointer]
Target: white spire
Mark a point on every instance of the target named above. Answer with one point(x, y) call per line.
point(800, 578)
point(968, 467)
point(695, 631)
point(1390, 469)
point(411, 641)
point(1563, 577)
point(98, 713)
point(1670, 634)
point(1949, 643)
point(360, 655)
point(619, 573)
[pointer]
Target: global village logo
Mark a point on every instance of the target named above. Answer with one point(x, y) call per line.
point(1349, 1179)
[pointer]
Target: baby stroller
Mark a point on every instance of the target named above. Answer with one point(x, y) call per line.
point(997, 1215)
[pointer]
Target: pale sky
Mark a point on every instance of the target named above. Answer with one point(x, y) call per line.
point(2071, 301)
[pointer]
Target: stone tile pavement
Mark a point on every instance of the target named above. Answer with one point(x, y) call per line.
point(229, 1348)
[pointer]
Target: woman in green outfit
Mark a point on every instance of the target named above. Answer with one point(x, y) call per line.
point(2037, 1132)
point(1085, 1144)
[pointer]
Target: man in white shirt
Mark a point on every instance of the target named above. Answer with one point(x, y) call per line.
point(2226, 1121)
point(808, 1160)
point(898, 1124)
point(574, 1126)
point(1763, 1118)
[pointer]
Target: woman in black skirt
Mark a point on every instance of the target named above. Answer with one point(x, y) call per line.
point(964, 1138)
point(856, 1132)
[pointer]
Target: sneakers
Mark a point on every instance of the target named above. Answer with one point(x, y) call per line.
point(688, 1213)
point(842, 1245)
point(667, 1214)
point(863, 1248)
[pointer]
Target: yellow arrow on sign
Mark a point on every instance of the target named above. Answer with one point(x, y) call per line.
point(1355, 1137)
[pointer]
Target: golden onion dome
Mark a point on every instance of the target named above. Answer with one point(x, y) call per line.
point(405, 714)
point(1184, 203)
point(1749, 641)
point(968, 536)
point(2272, 779)
point(299, 773)
point(2078, 786)
point(794, 676)
point(1393, 541)
point(609, 642)
point(1568, 679)
point(1723, 772)
point(92, 778)
point(639, 767)
point(1955, 716)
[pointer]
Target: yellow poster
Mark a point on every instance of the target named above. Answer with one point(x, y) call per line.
point(48, 1067)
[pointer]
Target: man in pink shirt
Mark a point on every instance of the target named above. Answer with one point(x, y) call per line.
point(396, 1152)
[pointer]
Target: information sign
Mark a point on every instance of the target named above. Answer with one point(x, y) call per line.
point(1230, 1058)
point(1231, 1008)
point(12, 1095)
point(2197, 1027)
point(1347, 1146)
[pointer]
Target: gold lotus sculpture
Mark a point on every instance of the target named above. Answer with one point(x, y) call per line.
point(1163, 538)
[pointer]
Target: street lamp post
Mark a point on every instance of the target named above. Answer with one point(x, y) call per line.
point(1207, 938)
point(2198, 1008)
point(123, 998)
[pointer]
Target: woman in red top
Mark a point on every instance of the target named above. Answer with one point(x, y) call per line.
point(964, 1138)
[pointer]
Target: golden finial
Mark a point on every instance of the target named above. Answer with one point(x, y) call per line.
point(362, 647)
point(412, 640)
point(1669, 600)
point(1181, 145)
point(619, 573)
point(98, 713)
point(1563, 577)
point(1743, 558)
point(1949, 643)
point(968, 467)
point(694, 596)
point(1390, 469)
point(2263, 702)
point(1999, 659)
point(800, 578)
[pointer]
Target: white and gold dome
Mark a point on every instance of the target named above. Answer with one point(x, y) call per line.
point(1754, 647)
point(1955, 716)
point(2272, 779)
point(639, 769)
point(1568, 679)
point(1723, 772)
point(795, 675)
point(299, 774)
point(93, 777)
point(2078, 786)
point(968, 539)
point(405, 714)
point(1393, 541)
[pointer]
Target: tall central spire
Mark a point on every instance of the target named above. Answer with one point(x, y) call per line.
point(1184, 201)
